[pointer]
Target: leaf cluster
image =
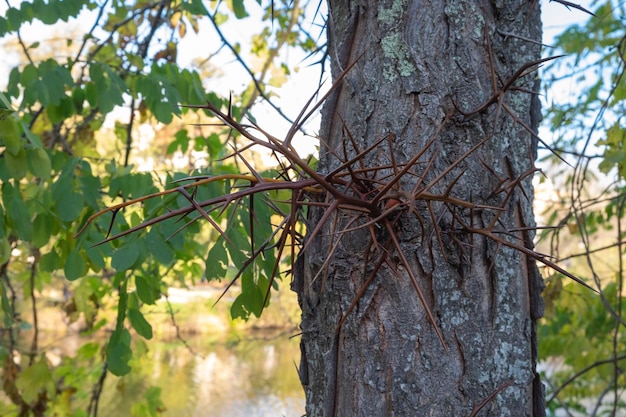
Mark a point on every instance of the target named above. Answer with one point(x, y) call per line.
point(58, 166)
point(587, 217)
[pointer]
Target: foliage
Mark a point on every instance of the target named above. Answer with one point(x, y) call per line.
point(57, 171)
point(583, 333)
point(58, 167)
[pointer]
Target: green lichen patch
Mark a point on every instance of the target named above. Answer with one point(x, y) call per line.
point(398, 57)
point(391, 15)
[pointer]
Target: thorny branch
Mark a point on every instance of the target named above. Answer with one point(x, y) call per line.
point(370, 197)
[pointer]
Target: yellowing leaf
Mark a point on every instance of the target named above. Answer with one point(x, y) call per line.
point(35, 380)
point(5, 250)
point(10, 134)
point(572, 227)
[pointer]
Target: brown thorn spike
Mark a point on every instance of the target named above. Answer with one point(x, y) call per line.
point(454, 165)
point(569, 4)
point(331, 250)
point(327, 212)
point(204, 214)
point(358, 157)
point(300, 120)
point(531, 253)
point(476, 409)
point(529, 130)
point(436, 230)
point(282, 241)
point(113, 215)
point(416, 286)
point(523, 70)
point(412, 162)
point(245, 265)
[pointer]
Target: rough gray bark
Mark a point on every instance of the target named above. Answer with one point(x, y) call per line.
point(423, 64)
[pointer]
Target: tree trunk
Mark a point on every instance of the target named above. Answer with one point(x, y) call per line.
point(421, 68)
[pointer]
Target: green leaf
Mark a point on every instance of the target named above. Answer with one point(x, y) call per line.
point(146, 292)
point(16, 164)
point(78, 98)
point(75, 266)
point(124, 257)
point(238, 310)
point(90, 185)
point(96, 258)
point(8, 313)
point(20, 218)
point(250, 301)
point(50, 262)
point(163, 111)
point(42, 229)
point(119, 352)
point(88, 351)
point(3, 223)
point(32, 138)
point(195, 7)
point(239, 9)
point(29, 75)
point(109, 87)
point(216, 262)
point(139, 323)
point(39, 163)
point(160, 249)
point(61, 111)
point(69, 205)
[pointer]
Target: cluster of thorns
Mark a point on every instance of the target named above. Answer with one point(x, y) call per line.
point(351, 187)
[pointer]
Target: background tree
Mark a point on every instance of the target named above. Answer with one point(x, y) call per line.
point(581, 338)
point(57, 169)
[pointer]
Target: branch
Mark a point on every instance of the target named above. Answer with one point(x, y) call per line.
point(569, 4)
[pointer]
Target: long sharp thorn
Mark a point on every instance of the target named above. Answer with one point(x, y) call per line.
point(359, 295)
point(416, 286)
point(536, 136)
point(358, 157)
point(454, 164)
point(490, 397)
point(522, 71)
point(410, 164)
point(301, 119)
point(281, 246)
point(204, 214)
point(436, 230)
point(333, 206)
point(113, 214)
point(569, 4)
point(538, 257)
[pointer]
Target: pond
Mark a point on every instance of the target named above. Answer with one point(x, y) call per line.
point(250, 377)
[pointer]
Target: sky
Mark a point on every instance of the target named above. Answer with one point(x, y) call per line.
point(303, 83)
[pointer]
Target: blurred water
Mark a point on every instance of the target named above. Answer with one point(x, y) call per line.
point(251, 378)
